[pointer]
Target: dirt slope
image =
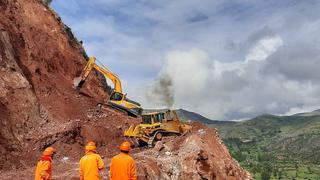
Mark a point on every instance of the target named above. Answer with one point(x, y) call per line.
point(38, 62)
point(38, 107)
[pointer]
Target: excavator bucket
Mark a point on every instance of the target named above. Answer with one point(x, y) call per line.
point(76, 82)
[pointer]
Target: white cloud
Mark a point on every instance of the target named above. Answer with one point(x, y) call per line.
point(264, 48)
point(302, 109)
point(205, 85)
point(258, 52)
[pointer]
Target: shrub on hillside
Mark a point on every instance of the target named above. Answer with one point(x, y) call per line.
point(47, 2)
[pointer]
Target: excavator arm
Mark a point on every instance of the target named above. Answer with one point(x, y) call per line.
point(117, 99)
point(78, 82)
point(114, 78)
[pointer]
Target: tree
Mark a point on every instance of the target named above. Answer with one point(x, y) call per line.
point(297, 169)
point(266, 171)
point(280, 174)
point(309, 169)
point(275, 172)
point(47, 2)
point(265, 175)
point(239, 156)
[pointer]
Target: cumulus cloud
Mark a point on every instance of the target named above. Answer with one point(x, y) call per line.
point(239, 89)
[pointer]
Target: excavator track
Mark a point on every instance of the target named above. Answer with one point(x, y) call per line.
point(107, 107)
point(123, 109)
point(104, 107)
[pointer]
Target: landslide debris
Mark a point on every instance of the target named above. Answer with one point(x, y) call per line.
point(39, 57)
point(197, 155)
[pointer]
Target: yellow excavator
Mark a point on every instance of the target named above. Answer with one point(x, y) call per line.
point(117, 99)
point(155, 125)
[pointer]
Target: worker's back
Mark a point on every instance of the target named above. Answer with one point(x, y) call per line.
point(43, 170)
point(90, 164)
point(122, 167)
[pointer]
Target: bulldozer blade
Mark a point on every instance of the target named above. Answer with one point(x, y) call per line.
point(132, 141)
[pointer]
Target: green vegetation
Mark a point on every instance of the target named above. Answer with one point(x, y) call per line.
point(47, 2)
point(275, 147)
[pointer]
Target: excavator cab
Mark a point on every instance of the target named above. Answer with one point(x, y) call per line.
point(117, 99)
point(116, 96)
point(121, 102)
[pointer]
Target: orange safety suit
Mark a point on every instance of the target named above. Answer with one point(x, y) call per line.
point(90, 165)
point(43, 170)
point(123, 167)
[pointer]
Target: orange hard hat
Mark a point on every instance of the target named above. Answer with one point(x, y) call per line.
point(125, 146)
point(48, 151)
point(91, 146)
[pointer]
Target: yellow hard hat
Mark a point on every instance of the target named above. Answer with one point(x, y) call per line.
point(48, 151)
point(91, 146)
point(125, 146)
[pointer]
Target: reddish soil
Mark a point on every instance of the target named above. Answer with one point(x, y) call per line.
point(39, 58)
point(39, 106)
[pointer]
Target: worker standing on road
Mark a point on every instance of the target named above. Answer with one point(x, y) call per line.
point(123, 166)
point(44, 166)
point(91, 163)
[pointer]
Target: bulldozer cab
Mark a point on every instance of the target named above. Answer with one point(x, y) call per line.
point(152, 118)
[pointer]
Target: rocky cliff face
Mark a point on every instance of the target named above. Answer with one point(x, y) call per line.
point(39, 58)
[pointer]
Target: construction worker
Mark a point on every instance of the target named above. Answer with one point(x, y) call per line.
point(122, 166)
point(91, 163)
point(43, 170)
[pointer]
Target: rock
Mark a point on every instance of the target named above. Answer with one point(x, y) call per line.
point(168, 146)
point(65, 159)
point(158, 146)
point(201, 131)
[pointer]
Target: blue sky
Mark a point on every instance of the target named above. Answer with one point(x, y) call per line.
point(225, 59)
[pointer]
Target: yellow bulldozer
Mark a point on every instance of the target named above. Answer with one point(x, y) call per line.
point(155, 125)
point(117, 99)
